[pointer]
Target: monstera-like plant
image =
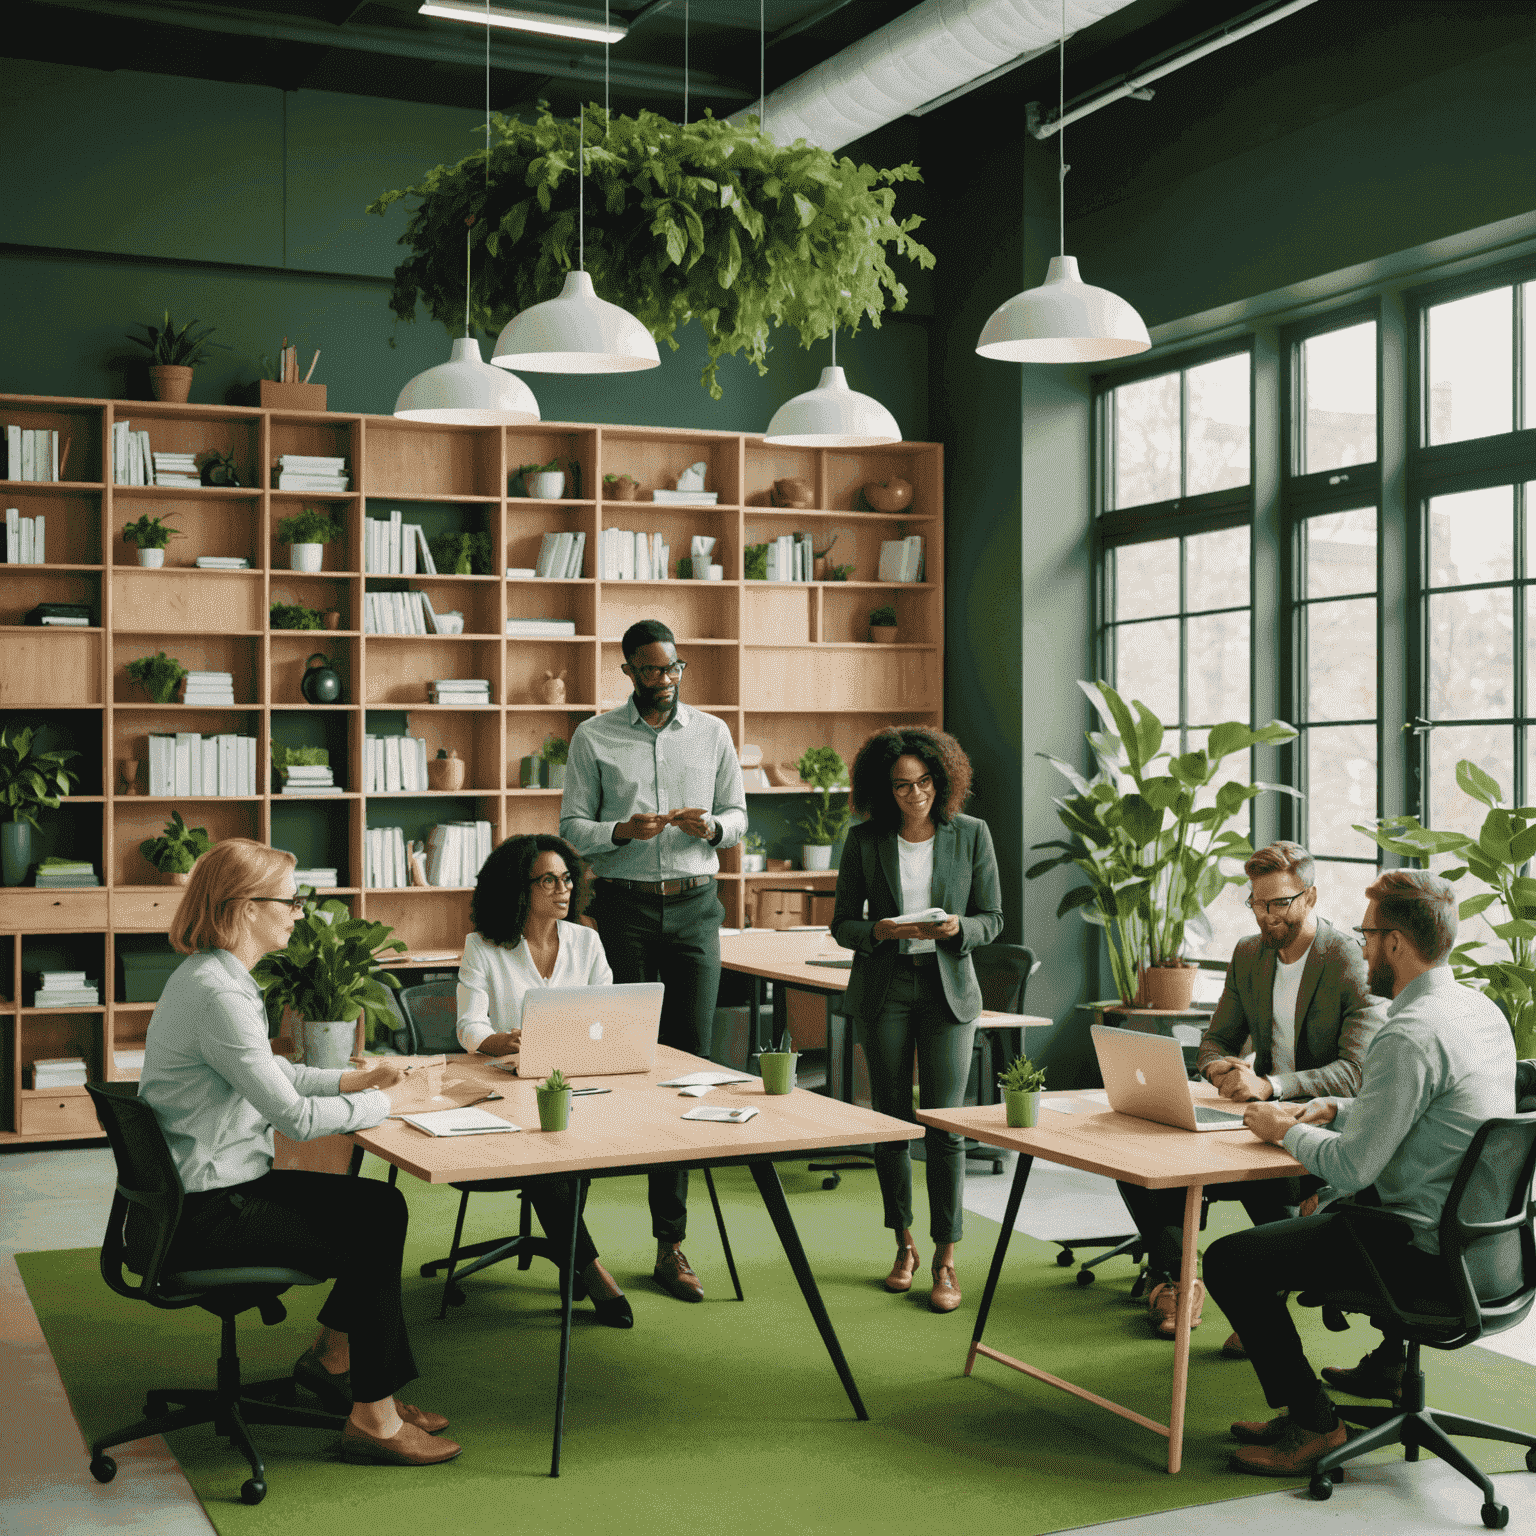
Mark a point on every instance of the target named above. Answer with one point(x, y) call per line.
point(705, 221)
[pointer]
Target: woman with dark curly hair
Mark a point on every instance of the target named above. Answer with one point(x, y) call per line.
point(527, 892)
point(913, 989)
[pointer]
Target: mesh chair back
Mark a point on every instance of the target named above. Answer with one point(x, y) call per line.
point(431, 1017)
point(1003, 972)
point(1487, 1223)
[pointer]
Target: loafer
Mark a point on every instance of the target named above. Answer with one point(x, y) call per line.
point(334, 1390)
point(422, 1418)
point(1233, 1348)
point(1260, 1431)
point(1294, 1454)
point(945, 1296)
point(614, 1311)
point(674, 1274)
point(1379, 1374)
point(409, 1446)
point(902, 1271)
point(1163, 1308)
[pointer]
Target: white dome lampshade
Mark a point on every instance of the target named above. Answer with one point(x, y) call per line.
point(575, 333)
point(466, 391)
point(832, 416)
point(1064, 320)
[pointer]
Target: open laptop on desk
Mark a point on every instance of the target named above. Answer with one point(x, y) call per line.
point(1144, 1075)
point(590, 1031)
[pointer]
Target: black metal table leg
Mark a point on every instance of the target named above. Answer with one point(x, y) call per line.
point(578, 1188)
point(1015, 1195)
point(355, 1162)
point(766, 1176)
point(725, 1242)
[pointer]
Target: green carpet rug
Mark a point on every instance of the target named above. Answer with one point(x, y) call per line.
point(728, 1417)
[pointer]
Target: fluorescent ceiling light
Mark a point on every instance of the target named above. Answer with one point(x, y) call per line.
point(528, 21)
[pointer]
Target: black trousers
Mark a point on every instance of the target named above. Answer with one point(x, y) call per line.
point(551, 1202)
point(674, 940)
point(1249, 1273)
point(352, 1229)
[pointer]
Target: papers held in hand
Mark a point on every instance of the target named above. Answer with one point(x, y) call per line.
point(927, 915)
point(459, 1122)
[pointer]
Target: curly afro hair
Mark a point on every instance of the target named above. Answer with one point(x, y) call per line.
point(942, 756)
point(498, 910)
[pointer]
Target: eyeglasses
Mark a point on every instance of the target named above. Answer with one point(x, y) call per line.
point(294, 903)
point(912, 786)
point(650, 676)
point(553, 882)
point(1362, 933)
point(1273, 908)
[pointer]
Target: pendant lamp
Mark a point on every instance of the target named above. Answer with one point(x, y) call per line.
point(832, 416)
point(1064, 320)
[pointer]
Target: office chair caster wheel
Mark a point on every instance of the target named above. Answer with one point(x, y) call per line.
point(1495, 1516)
point(1530, 1460)
point(252, 1491)
point(1085, 1277)
point(1064, 1259)
point(103, 1468)
point(1321, 1487)
point(831, 1181)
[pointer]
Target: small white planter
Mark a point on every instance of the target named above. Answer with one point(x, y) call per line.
point(305, 557)
point(329, 1044)
point(151, 559)
point(547, 485)
point(816, 856)
point(754, 863)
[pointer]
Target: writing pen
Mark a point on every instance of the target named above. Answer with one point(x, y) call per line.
point(576, 1093)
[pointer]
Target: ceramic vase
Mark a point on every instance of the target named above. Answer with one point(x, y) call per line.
point(547, 485)
point(151, 559)
point(15, 850)
point(816, 856)
point(778, 1069)
point(328, 1044)
point(446, 773)
point(331, 618)
point(305, 557)
point(128, 774)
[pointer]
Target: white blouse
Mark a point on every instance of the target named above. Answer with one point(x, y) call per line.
point(916, 863)
point(493, 980)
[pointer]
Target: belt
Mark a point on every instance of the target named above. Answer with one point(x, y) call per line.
point(925, 957)
point(660, 887)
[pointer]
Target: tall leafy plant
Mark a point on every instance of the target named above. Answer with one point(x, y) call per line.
point(1150, 831)
point(824, 770)
point(31, 781)
point(706, 221)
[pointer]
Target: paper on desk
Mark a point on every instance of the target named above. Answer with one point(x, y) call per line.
point(697, 1091)
point(707, 1079)
point(1096, 1099)
point(459, 1122)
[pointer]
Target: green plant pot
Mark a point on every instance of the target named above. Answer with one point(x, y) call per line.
point(1022, 1109)
point(554, 775)
point(528, 771)
point(554, 1108)
point(778, 1069)
point(15, 850)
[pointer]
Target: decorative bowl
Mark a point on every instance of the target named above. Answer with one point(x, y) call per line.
point(893, 495)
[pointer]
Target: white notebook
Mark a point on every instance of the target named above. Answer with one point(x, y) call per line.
point(459, 1122)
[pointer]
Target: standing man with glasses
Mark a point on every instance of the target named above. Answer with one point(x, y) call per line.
point(1298, 991)
point(652, 790)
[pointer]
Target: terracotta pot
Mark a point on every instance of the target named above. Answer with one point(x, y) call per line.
point(622, 489)
point(171, 383)
point(128, 774)
point(331, 619)
point(446, 772)
point(793, 491)
point(1167, 986)
point(168, 878)
point(893, 495)
point(883, 634)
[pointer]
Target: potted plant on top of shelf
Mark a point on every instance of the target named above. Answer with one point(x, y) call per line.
point(176, 850)
point(307, 533)
point(174, 351)
point(159, 676)
point(543, 482)
point(30, 781)
point(754, 854)
point(621, 487)
point(555, 753)
point(824, 770)
point(151, 536)
point(882, 625)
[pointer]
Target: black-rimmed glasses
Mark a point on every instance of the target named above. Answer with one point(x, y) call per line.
point(1275, 907)
point(294, 903)
point(912, 786)
point(552, 882)
point(1362, 933)
point(650, 676)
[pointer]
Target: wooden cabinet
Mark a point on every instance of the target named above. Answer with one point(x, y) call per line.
point(786, 665)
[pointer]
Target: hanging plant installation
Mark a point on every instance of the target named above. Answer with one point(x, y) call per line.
point(704, 221)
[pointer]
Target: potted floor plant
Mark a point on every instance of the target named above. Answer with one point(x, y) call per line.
point(307, 533)
point(554, 1097)
point(30, 781)
point(176, 850)
point(174, 351)
point(1021, 1081)
point(159, 676)
point(329, 977)
point(824, 770)
point(150, 535)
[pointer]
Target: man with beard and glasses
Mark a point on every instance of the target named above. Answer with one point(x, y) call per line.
point(1298, 991)
point(1441, 1064)
point(652, 789)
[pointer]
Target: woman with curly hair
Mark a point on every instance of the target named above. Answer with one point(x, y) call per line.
point(913, 991)
point(527, 893)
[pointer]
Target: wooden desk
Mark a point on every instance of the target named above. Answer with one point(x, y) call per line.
point(631, 1130)
point(1096, 1140)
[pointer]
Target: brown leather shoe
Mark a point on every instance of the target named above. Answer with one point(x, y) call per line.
point(674, 1274)
point(433, 1423)
point(409, 1446)
point(1163, 1308)
point(900, 1277)
point(1233, 1348)
point(1294, 1454)
point(1261, 1431)
point(1379, 1374)
point(945, 1296)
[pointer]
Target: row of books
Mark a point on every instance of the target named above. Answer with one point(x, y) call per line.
point(451, 855)
point(310, 472)
point(459, 690)
point(392, 547)
point(902, 559)
point(32, 453)
point(321, 878)
point(66, 989)
point(401, 613)
point(132, 457)
point(791, 558)
point(561, 556)
point(189, 763)
point(223, 563)
point(394, 764)
point(624, 555)
point(61, 615)
point(534, 628)
point(56, 874)
point(208, 690)
point(25, 538)
point(128, 1063)
point(53, 1072)
point(309, 779)
point(176, 469)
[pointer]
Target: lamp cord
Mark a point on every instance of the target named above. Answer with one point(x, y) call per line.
point(685, 63)
point(762, 71)
point(1061, 133)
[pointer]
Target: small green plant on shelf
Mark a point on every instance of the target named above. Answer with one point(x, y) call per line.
point(310, 525)
point(159, 676)
point(556, 750)
point(218, 469)
point(1021, 1075)
point(461, 554)
point(755, 562)
point(31, 781)
point(284, 758)
point(556, 1082)
point(883, 617)
point(150, 532)
point(685, 567)
point(823, 769)
point(294, 616)
point(840, 572)
point(753, 843)
point(177, 848)
point(173, 346)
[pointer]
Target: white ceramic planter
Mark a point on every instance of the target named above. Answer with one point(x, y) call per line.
point(754, 863)
point(305, 557)
point(816, 856)
point(548, 485)
point(151, 559)
point(329, 1043)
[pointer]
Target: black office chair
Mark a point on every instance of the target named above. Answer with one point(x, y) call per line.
point(1489, 1286)
point(1003, 972)
point(146, 1210)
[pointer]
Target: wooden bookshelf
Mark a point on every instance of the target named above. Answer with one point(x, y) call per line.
point(785, 665)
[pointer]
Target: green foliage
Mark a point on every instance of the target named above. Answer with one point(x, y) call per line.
point(178, 848)
point(159, 675)
point(31, 781)
point(294, 616)
point(556, 1082)
point(627, 479)
point(840, 572)
point(330, 970)
point(462, 554)
point(311, 525)
point(170, 345)
point(753, 843)
point(755, 562)
point(1496, 857)
point(216, 468)
point(704, 221)
point(284, 758)
point(1021, 1075)
point(150, 532)
point(824, 770)
point(524, 470)
point(556, 749)
point(883, 617)
point(1151, 843)
point(685, 567)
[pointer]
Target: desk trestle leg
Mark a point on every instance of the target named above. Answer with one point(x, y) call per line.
point(1015, 1195)
point(725, 1242)
point(578, 1190)
point(1182, 1329)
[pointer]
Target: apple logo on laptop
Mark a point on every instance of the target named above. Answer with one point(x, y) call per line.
point(596, 1031)
point(1141, 1077)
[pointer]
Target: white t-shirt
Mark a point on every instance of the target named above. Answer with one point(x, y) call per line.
point(1282, 1037)
point(916, 887)
point(493, 980)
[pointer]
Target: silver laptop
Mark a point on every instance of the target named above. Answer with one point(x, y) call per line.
point(590, 1031)
point(1145, 1076)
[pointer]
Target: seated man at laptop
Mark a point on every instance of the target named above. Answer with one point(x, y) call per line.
point(1298, 990)
point(526, 891)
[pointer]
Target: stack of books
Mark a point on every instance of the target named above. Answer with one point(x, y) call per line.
point(456, 850)
point(387, 864)
point(392, 547)
point(309, 779)
point(400, 613)
point(132, 457)
point(176, 469)
point(25, 538)
point(59, 1072)
point(128, 1063)
point(561, 555)
point(791, 558)
point(311, 472)
point(65, 989)
point(192, 764)
point(61, 615)
point(223, 563)
point(627, 556)
point(32, 453)
point(459, 690)
point(392, 764)
point(55, 874)
point(902, 559)
point(319, 879)
point(208, 689)
point(532, 628)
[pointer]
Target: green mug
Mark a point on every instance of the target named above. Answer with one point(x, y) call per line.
point(778, 1069)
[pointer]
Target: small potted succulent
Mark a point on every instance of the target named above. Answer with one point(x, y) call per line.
point(29, 782)
point(544, 482)
point(754, 854)
point(176, 850)
point(307, 533)
point(555, 753)
point(1021, 1081)
point(621, 487)
point(174, 351)
point(295, 616)
point(882, 625)
point(159, 676)
point(554, 1096)
point(151, 536)
point(822, 769)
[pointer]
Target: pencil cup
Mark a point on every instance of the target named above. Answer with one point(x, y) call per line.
point(778, 1069)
